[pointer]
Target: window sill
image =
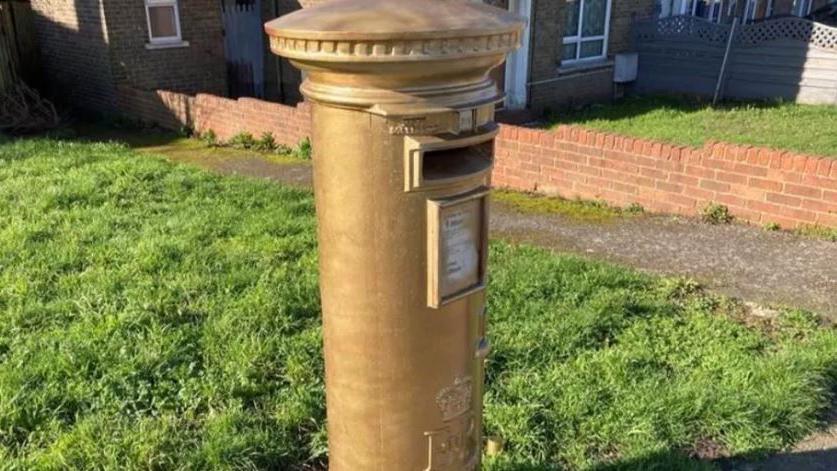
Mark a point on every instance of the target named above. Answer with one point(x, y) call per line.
point(167, 45)
point(581, 67)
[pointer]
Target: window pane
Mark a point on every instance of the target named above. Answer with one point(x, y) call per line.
point(569, 51)
point(162, 22)
point(595, 13)
point(592, 49)
point(573, 10)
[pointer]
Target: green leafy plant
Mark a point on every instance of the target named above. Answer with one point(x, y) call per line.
point(772, 227)
point(243, 140)
point(635, 208)
point(714, 213)
point(266, 143)
point(282, 149)
point(303, 150)
point(818, 232)
point(185, 131)
point(209, 138)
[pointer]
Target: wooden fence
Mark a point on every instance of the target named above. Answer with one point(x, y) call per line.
point(789, 58)
point(18, 51)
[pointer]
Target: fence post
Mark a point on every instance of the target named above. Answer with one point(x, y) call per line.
point(721, 76)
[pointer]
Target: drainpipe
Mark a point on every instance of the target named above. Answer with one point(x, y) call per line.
point(532, 31)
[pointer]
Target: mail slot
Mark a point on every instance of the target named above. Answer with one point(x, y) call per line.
point(403, 133)
point(438, 161)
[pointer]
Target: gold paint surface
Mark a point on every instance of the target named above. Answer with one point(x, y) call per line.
point(400, 89)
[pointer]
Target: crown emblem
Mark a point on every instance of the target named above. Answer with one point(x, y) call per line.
point(455, 400)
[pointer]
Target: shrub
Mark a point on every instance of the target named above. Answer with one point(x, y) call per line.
point(818, 232)
point(714, 213)
point(185, 131)
point(635, 208)
point(210, 138)
point(266, 143)
point(303, 150)
point(243, 140)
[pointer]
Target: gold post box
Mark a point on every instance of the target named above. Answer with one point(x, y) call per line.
point(403, 130)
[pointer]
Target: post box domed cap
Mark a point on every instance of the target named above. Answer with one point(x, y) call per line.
point(393, 30)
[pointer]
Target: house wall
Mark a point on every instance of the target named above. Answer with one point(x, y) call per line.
point(92, 49)
point(554, 86)
point(199, 67)
point(73, 43)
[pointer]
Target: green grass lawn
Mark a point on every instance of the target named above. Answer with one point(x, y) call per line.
point(155, 316)
point(801, 128)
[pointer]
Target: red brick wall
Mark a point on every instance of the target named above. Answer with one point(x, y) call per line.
point(168, 109)
point(758, 185)
point(225, 117)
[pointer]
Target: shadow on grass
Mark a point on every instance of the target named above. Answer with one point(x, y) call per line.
point(136, 137)
point(175, 146)
point(817, 460)
point(813, 460)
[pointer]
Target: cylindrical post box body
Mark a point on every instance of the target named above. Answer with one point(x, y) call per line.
point(402, 133)
point(392, 362)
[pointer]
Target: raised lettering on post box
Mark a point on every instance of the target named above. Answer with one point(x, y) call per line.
point(457, 230)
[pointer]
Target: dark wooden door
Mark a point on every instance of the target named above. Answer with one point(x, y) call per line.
point(244, 47)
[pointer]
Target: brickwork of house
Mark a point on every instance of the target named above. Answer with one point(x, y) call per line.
point(93, 49)
point(199, 67)
point(757, 184)
point(573, 89)
point(554, 86)
point(73, 45)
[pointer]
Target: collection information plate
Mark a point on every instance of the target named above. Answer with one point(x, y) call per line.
point(457, 234)
point(460, 237)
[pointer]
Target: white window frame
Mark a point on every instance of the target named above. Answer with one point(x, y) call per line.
point(578, 40)
point(803, 7)
point(685, 7)
point(164, 40)
point(751, 8)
